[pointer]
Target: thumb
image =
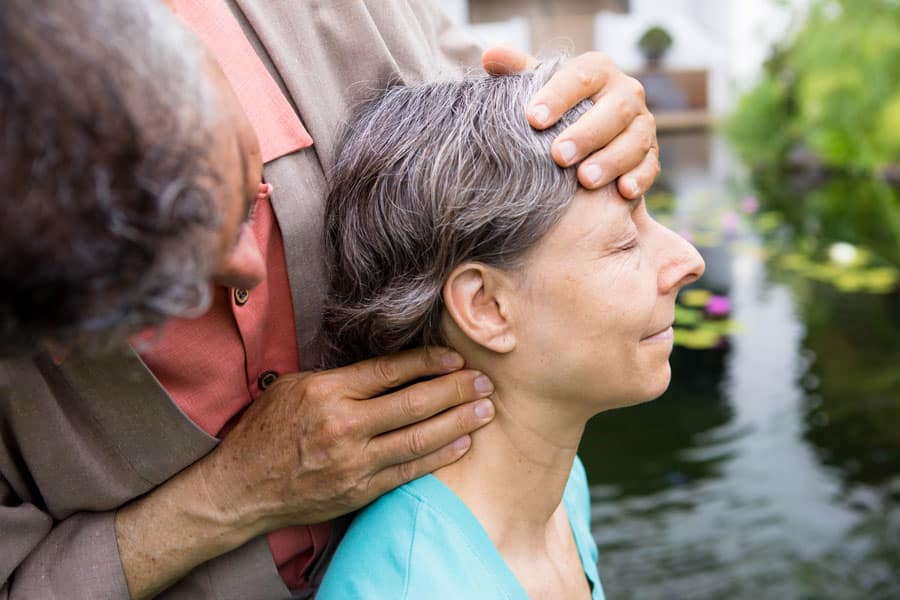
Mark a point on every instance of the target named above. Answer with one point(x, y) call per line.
point(503, 60)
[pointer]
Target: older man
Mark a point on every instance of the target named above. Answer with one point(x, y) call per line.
point(110, 220)
point(114, 480)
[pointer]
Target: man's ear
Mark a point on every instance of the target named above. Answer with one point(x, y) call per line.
point(479, 299)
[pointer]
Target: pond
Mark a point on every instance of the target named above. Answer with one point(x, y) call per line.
point(771, 467)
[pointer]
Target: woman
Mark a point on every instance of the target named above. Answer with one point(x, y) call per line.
point(449, 224)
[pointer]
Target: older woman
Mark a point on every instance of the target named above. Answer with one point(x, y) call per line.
point(448, 224)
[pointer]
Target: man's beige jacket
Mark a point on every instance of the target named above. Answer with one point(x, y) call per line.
point(82, 438)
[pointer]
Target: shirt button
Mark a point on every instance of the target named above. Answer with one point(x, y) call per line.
point(241, 296)
point(266, 379)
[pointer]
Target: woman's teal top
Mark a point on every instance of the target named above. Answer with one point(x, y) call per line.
point(421, 541)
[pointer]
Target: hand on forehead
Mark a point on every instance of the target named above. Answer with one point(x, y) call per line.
point(615, 141)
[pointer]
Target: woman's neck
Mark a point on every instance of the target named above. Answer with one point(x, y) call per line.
point(514, 475)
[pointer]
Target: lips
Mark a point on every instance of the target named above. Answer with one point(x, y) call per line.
point(664, 334)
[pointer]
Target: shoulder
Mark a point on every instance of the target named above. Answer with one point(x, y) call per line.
point(410, 543)
point(373, 559)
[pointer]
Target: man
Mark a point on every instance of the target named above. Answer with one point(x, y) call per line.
point(111, 220)
point(114, 481)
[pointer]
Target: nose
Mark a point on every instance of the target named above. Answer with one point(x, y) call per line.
point(681, 263)
point(243, 266)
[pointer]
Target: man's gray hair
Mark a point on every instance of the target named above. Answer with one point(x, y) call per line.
point(110, 221)
point(429, 177)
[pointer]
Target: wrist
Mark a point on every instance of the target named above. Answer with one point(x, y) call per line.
point(174, 528)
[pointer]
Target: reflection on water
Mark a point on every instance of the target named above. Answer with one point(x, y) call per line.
point(771, 467)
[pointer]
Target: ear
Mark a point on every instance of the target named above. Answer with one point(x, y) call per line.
point(479, 300)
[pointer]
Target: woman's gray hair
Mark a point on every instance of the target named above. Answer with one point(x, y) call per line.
point(428, 177)
point(111, 220)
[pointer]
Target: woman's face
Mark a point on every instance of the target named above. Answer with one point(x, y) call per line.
point(598, 301)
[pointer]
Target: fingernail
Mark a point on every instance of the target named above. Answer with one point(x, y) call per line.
point(540, 113)
point(631, 185)
point(567, 150)
point(452, 361)
point(462, 443)
point(484, 409)
point(483, 385)
point(271, 187)
point(593, 173)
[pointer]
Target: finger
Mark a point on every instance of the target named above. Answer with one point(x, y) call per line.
point(636, 182)
point(375, 376)
point(610, 116)
point(578, 79)
point(622, 155)
point(398, 474)
point(423, 400)
point(423, 438)
point(503, 60)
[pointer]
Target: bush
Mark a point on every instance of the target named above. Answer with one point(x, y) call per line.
point(655, 42)
point(834, 90)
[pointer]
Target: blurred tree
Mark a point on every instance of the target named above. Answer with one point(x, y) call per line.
point(829, 95)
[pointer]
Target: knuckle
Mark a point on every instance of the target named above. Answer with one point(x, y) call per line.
point(335, 429)
point(462, 393)
point(416, 442)
point(413, 405)
point(349, 484)
point(626, 108)
point(317, 386)
point(639, 90)
point(586, 78)
point(463, 424)
point(386, 371)
point(406, 472)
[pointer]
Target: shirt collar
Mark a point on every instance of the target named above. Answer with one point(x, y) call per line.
point(277, 126)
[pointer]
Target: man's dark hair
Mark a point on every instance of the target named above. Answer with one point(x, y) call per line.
point(110, 217)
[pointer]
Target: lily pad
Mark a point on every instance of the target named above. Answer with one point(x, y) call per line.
point(697, 339)
point(695, 298)
point(687, 316)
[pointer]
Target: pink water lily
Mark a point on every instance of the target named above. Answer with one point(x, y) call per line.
point(718, 306)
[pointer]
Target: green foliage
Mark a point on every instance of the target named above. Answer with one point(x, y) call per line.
point(760, 128)
point(833, 90)
point(655, 42)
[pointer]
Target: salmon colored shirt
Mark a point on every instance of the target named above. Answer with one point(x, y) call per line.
point(215, 366)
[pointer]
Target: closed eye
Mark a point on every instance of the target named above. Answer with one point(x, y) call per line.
point(629, 242)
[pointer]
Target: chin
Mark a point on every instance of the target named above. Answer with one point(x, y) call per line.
point(662, 383)
point(655, 385)
point(647, 387)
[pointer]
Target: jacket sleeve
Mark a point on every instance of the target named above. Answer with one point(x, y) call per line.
point(79, 558)
point(37, 559)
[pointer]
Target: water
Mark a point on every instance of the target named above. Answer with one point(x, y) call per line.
point(771, 467)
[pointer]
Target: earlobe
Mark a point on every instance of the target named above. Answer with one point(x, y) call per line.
point(478, 300)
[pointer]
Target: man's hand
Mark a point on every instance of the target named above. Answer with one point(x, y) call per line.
point(314, 446)
point(319, 445)
point(618, 135)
